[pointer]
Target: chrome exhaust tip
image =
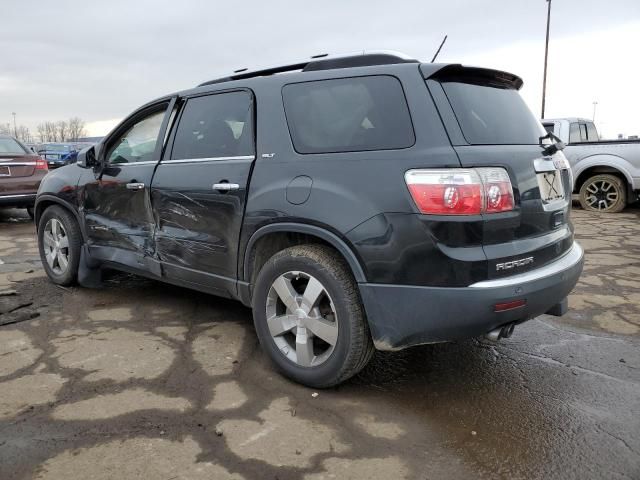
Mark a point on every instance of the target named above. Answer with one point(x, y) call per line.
point(501, 332)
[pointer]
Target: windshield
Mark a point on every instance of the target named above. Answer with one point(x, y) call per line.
point(10, 146)
point(492, 115)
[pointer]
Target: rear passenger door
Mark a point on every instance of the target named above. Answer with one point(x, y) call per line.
point(199, 189)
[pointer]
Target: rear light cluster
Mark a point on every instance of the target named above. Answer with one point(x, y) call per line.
point(41, 164)
point(461, 191)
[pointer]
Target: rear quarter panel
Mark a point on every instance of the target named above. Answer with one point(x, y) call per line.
point(623, 157)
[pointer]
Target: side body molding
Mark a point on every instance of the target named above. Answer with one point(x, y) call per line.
point(319, 232)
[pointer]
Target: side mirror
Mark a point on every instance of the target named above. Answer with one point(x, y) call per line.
point(87, 158)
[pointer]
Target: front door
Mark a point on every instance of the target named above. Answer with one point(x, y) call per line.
point(200, 187)
point(116, 205)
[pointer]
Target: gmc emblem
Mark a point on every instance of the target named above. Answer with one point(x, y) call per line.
point(521, 262)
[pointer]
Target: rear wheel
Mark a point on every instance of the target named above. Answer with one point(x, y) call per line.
point(604, 193)
point(309, 317)
point(59, 242)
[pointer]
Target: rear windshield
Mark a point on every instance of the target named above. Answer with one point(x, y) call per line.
point(491, 115)
point(56, 148)
point(348, 115)
point(9, 145)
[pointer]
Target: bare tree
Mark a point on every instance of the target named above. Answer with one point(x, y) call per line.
point(24, 134)
point(76, 129)
point(63, 130)
point(51, 130)
point(4, 129)
point(42, 132)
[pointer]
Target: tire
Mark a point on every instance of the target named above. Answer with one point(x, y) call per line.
point(31, 212)
point(604, 193)
point(338, 310)
point(69, 242)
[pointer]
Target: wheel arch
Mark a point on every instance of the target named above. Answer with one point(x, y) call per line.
point(295, 232)
point(597, 164)
point(45, 201)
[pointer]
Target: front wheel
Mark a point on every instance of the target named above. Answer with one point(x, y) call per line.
point(603, 193)
point(59, 242)
point(309, 318)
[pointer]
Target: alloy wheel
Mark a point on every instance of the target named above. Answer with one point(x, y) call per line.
point(56, 246)
point(602, 195)
point(302, 319)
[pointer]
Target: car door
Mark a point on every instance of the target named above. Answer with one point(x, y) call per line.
point(116, 202)
point(199, 189)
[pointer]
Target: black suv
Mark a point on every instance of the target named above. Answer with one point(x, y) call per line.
point(354, 202)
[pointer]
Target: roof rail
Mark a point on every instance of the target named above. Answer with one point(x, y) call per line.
point(322, 61)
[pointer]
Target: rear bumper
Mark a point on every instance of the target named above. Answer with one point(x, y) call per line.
point(401, 316)
point(18, 200)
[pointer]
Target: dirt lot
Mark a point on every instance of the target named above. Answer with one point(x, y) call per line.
point(144, 380)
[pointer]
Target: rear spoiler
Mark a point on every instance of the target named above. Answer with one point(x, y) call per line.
point(475, 75)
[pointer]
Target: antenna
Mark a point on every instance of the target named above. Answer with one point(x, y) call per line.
point(439, 48)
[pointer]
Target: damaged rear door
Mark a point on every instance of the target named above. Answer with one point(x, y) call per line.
point(116, 202)
point(200, 187)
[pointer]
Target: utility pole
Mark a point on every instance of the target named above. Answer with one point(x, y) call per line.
point(15, 129)
point(546, 56)
point(593, 118)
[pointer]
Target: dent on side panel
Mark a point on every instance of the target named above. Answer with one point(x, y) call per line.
point(120, 222)
point(186, 233)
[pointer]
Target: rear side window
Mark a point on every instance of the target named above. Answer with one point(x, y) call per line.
point(574, 133)
point(592, 133)
point(219, 125)
point(9, 145)
point(348, 115)
point(492, 115)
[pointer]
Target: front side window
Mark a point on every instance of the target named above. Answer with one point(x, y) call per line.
point(10, 146)
point(215, 126)
point(138, 143)
point(348, 115)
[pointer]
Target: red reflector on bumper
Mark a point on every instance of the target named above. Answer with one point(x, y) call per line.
point(503, 307)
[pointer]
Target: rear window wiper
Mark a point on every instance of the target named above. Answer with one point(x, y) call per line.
point(554, 147)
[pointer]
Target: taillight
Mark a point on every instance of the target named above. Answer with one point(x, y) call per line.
point(459, 191)
point(41, 164)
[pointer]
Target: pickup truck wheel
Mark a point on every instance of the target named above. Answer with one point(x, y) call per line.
point(309, 318)
point(59, 241)
point(603, 193)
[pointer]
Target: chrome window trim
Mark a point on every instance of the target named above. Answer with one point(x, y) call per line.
point(568, 260)
point(208, 159)
point(132, 164)
point(21, 195)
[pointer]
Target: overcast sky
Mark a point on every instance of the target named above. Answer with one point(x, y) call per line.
point(100, 60)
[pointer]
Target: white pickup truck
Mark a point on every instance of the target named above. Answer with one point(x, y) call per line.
point(606, 173)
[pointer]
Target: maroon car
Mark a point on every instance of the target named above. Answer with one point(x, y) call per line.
point(21, 171)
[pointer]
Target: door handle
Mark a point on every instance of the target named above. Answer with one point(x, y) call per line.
point(226, 187)
point(135, 186)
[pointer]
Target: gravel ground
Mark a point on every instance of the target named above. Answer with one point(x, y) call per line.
point(144, 380)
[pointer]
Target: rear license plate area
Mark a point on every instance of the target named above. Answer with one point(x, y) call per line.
point(550, 184)
point(5, 172)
